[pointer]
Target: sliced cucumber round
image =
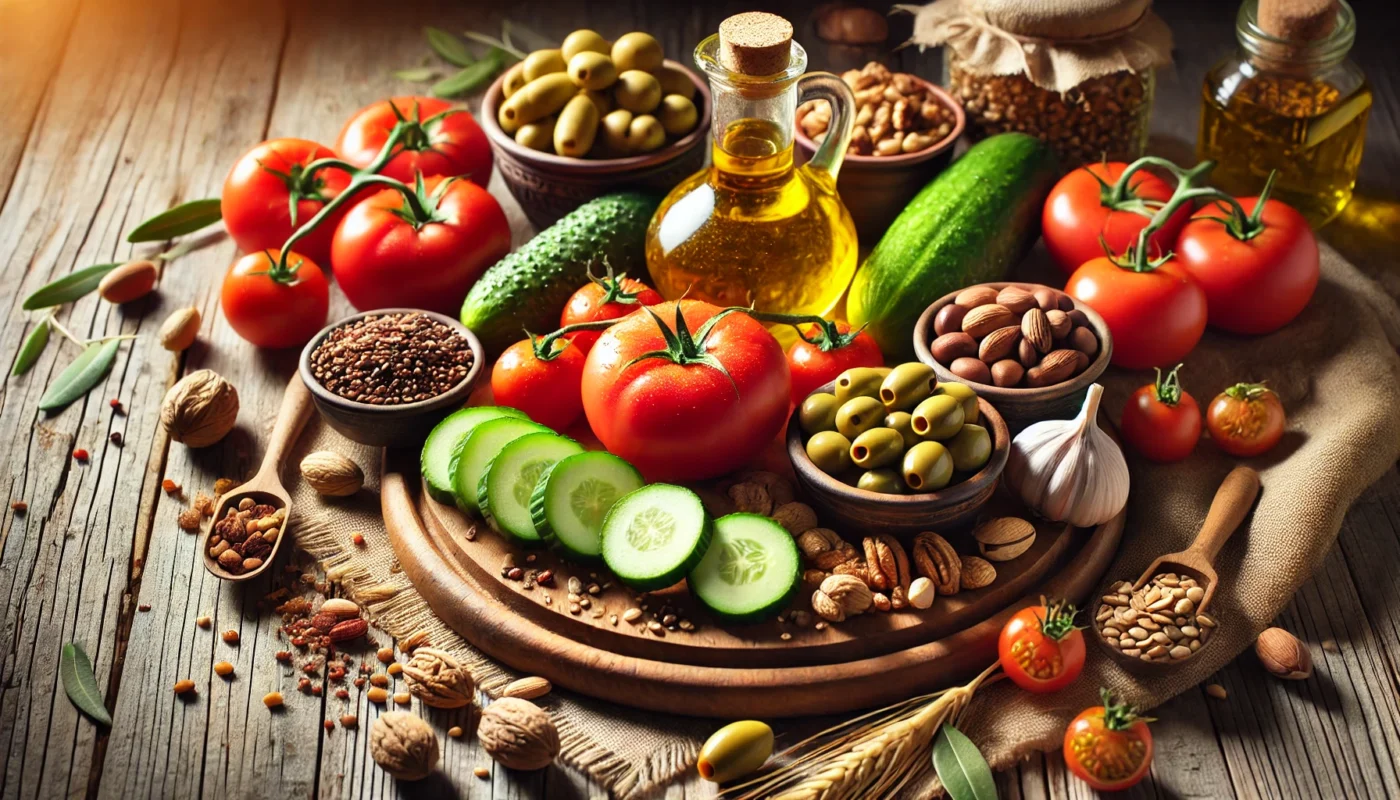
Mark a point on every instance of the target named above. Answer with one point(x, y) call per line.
point(750, 571)
point(653, 536)
point(509, 481)
point(482, 445)
point(444, 445)
point(574, 496)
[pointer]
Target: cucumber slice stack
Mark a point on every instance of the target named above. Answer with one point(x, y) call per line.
point(574, 496)
point(504, 492)
point(655, 535)
point(751, 570)
point(482, 445)
point(444, 446)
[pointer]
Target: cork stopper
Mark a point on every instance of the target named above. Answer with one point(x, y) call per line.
point(1297, 20)
point(755, 43)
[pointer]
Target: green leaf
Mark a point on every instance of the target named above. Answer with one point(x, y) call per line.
point(961, 767)
point(34, 345)
point(447, 45)
point(471, 78)
point(68, 288)
point(178, 221)
point(416, 74)
point(75, 670)
point(81, 375)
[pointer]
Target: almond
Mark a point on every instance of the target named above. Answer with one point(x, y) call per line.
point(130, 281)
point(347, 630)
point(984, 319)
point(341, 607)
point(1007, 373)
point(975, 296)
point(1283, 655)
point(1046, 298)
point(1084, 340)
point(1017, 299)
point(1057, 366)
point(527, 688)
point(952, 346)
point(999, 344)
point(1036, 328)
point(977, 573)
point(1004, 538)
point(179, 330)
point(1060, 324)
point(1026, 354)
point(949, 319)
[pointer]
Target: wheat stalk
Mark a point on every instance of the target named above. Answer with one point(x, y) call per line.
point(870, 756)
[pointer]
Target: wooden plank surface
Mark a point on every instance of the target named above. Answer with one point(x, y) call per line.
point(117, 109)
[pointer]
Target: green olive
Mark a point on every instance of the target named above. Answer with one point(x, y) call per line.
point(592, 71)
point(537, 135)
point(543, 62)
point(939, 417)
point(884, 481)
point(677, 114)
point(577, 125)
point(818, 413)
point(830, 452)
point(536, 100)
point(902, 422)
point(858, 415)
point(637, 50)
point(927, 467)
point(615, 126)
point(877, 447)
point(907, 385)
point(735, 750)
point(964, 394)
point(637, 91)
point(645, 134)
point(674, 80)
point(584, 41)
point(859, 382)
point(971, 448)
point(515, 78)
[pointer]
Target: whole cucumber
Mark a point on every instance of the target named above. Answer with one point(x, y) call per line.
point(968, 226)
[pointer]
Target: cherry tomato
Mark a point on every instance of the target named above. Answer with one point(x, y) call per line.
point(384, 255)
point(609, 297)
point(818, 357)
point(1040, 649)
point(1161, 420)
point(257, 200)
point(1246, 419)
point(1156, 317)
point(717, 396)
point(271, 308)
point(1257, 284)
point(1079, 212)
point(1109, 746)
point(546, 389)
point(439, 144)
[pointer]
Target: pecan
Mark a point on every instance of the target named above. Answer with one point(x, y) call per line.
point(347, 630)
point(936, 560)
point(887, 563)
point(829, 560)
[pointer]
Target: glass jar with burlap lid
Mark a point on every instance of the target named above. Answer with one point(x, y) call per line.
point(1078, 74)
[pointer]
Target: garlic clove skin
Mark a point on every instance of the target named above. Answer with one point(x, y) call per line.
point(1070, 470)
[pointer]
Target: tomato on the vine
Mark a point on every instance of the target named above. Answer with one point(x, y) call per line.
point(682, 406)
point(1156, 315)
point(441, 140)
point(1088, 209)
point(1161, 420)
point(822, 353)
point(609, 297)
point(542, 378)
point(275, 306)
point(1109, 746)
point(269, 193)
point(1246, 419)
point(1040, 648)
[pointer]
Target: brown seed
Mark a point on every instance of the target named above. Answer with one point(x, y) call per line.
point(949, 319)
point(379, 680)
point(1083, 340)
point(203, 622)
point(185, 686)
point(982, 320)
point(349, 721)
point(377, 694)
point(179, 330)
point(1017, 299)
point(455, 731)
point(1035, 326)
point(951, 346)
point(230, 637)
point(480, 772)
point(403, 698)
point(1217, 691)
point(130, 281)
point(386, 654)
point(971, 369)
point(395, 668)
point(1060, 325)
point(999, 344)
point(975, 296)
point(1026, 354)
point(1046, 298)
point(272, 699)
point(1007, 372)
point(223, 669)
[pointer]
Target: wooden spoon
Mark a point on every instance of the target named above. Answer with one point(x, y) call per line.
point(1232, 503)
point(266, 486)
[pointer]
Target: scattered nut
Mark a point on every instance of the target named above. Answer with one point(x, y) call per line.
point(1004, 538)
point(332, 474)
point(130, 281)
point(185, 686)
point(977, 573)
point(527, 688)
point(223, 669)
point(200, 409)
point(230, 637)
point(438, 679)
point(518, 734)
point(272, 699)
point(1283, 655)
point(180, 329)
point(921, 593)
point(403, 745)
point(1217, 691)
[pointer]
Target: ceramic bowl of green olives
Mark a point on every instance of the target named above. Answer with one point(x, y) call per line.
point(593, 116)
point(898, 450)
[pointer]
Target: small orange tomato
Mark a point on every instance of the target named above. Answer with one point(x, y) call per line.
point(1109, 746)
point(1246, 419)
point(1040, 648)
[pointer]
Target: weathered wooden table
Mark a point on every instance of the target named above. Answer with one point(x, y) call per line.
point(117, 109)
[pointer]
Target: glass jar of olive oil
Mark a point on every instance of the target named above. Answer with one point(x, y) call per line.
point(1288, 101)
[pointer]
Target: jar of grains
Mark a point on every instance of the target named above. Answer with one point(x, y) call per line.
point(1078, 74)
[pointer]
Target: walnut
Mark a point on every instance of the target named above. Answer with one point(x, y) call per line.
point(796, 517)
point(841, 596)
point(199, 410)
point(332, 474)
point(815, 541)
point(438, 679)
point(518, 734)
point(779, 490)
point(855, 567)
point(936, 560)
point(832, 558)
point(403, 745)
point(750, 497)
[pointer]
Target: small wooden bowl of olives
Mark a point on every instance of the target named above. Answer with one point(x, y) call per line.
point(896, 449)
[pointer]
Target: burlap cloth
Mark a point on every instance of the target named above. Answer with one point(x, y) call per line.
point(1338, 373)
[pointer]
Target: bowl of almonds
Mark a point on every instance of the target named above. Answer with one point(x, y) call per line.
point(1031, 350)
point(904, 132)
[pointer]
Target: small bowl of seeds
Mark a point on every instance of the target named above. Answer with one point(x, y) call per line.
point(386, 377)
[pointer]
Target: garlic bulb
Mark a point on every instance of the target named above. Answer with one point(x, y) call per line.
point(1070, 470)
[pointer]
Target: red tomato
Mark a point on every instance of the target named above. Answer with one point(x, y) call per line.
point(381, 259)
point(1254, 285)
point(274, 310)
point(440, 145)
point(1155, 317)
point(1161, 420)
point(1078, 212)
point(679, 417)
point(548, 391)
point(1040, 649)
point(1109, 747)
point(1246, 419)
point(815, 359)
point(603, 299)
point(256, 203)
